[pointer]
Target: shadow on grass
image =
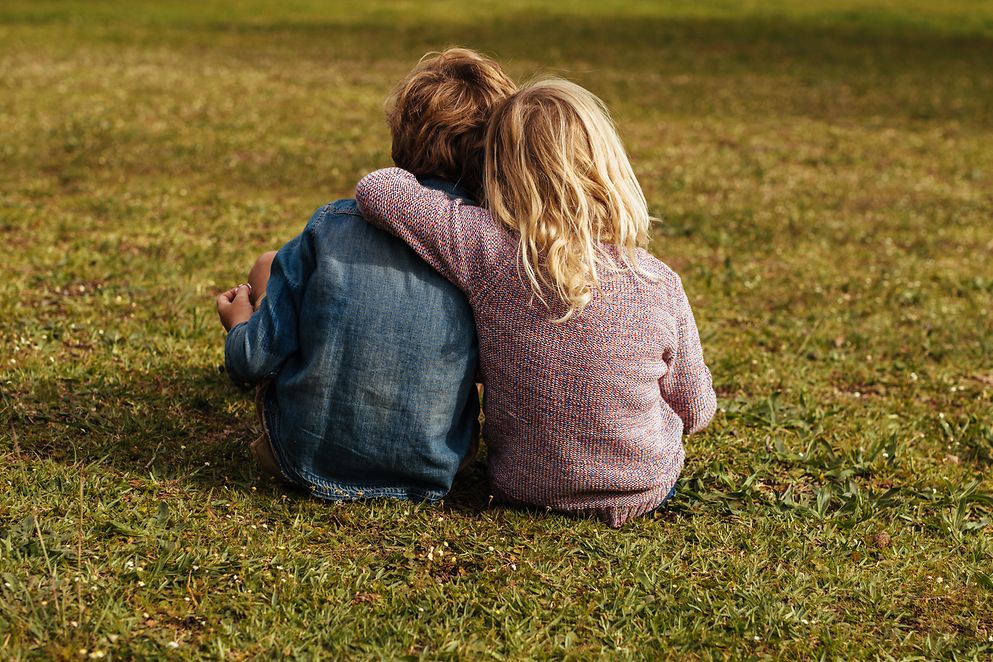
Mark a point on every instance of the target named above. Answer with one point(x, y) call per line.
point(184, 424)
point(470, 494)
point(174, 423)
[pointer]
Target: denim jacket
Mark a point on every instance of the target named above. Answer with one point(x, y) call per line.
point(370, 356)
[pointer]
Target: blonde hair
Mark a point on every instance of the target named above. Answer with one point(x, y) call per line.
point(556, 172)
point(439, 112)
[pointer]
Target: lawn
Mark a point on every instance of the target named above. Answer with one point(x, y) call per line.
point(824, 176)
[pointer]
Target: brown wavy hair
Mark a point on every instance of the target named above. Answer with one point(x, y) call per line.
point(438, 115)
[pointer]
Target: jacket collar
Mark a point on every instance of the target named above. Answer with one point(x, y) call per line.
point(452, 189)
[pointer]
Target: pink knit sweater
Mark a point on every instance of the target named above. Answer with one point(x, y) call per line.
point(584, 417)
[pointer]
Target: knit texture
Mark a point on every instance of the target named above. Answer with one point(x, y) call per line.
point(584, 417)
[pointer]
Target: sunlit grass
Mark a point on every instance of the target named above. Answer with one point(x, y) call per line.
point(824, 176)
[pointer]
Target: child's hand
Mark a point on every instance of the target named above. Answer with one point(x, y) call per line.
point(234, 307)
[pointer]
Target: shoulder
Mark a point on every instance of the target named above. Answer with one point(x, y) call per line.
point(341, 236)
point(666, 278)
point(345, 207)
point(336, 217)
point(335, 210)
point(666, 285)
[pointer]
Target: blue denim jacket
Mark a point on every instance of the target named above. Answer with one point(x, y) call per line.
point(371, 357)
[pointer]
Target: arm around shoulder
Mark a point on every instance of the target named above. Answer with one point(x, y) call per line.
point(445, 232)
point(386, 197)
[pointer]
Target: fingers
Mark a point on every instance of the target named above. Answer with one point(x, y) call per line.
point(230, 295)
point(227, 296)
point(234, 305)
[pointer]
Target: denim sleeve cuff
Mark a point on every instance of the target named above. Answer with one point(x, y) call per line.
point(234, 359)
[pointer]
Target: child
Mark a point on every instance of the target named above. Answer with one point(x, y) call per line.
point(366, 357)
point(588, 348)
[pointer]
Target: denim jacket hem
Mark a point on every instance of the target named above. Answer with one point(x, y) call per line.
point(333, 490)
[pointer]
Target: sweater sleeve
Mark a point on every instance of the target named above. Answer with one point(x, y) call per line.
point(446, 233)
point(687, 387)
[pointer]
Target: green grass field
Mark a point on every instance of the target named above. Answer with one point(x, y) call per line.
point(824, 172)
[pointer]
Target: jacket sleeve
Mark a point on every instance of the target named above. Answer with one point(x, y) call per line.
point(688, 387)
point(255, 350)
point(445, 233)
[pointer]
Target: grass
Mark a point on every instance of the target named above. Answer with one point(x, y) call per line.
point(824, 172)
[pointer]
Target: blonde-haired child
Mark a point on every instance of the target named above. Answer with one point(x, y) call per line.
point(588, 348)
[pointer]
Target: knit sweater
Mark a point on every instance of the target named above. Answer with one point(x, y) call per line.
point(586, 416)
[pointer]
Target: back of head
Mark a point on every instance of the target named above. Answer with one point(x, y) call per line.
point(557, 173)
point(438, 115)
